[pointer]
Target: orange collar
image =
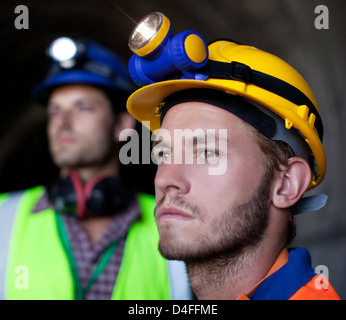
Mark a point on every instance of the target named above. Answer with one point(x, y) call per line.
point(281, 260)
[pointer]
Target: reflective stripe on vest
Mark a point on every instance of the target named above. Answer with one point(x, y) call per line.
point(8, 208)
point(38, 267)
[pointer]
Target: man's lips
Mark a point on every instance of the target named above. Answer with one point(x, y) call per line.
point(164, 213)
point(65, 139)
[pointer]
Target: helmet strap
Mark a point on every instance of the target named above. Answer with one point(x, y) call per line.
point(242, 72)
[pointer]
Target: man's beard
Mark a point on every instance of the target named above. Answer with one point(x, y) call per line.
point(239, 228)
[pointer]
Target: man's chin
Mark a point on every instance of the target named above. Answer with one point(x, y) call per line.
point(66, 159)
point(65, 164)
point(185, 251)
point(171, 253)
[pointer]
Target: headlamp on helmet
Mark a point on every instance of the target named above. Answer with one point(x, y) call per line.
point(83, 61)
point(64, 50)
point(159, 54)
point(70, 54)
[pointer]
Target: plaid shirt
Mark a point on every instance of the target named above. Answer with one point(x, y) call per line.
point(88, 255)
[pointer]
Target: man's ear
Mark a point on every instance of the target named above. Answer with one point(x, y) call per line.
point(124, 121)
point(291, 182)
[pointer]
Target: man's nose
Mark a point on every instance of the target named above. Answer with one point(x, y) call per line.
point(66, 119)
point(173, 177)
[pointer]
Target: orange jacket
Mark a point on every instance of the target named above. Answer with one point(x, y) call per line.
point(310, 292)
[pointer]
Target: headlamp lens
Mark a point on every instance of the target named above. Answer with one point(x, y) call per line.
point(145, 31)
point(63, 49)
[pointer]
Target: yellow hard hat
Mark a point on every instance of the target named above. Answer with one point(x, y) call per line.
point(255, 75)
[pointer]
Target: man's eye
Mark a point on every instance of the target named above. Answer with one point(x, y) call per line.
point(52, 112)
point(85, 107)
point(207, 154)
point(161, 156)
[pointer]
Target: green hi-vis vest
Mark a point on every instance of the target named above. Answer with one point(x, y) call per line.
point(34, 263)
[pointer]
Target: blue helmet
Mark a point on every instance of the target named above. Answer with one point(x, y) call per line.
point(86, 62)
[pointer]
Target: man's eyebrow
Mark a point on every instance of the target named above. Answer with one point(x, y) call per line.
point(78, 101)
point(155, 142)
point(208, 137)
point(88, 99)
point(161, 142)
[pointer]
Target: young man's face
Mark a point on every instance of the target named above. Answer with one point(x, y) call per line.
point(198, 214)
point(80, 126)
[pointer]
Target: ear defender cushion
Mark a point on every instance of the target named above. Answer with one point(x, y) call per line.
point(101, 196)
point(62, 195)
point(105, 196)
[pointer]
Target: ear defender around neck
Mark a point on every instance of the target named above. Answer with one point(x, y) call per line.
point(100, 196)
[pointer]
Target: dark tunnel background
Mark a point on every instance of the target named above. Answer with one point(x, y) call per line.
point(283, 27)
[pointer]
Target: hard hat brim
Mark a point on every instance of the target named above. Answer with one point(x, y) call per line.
point(42, 91)
point(143, 104)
